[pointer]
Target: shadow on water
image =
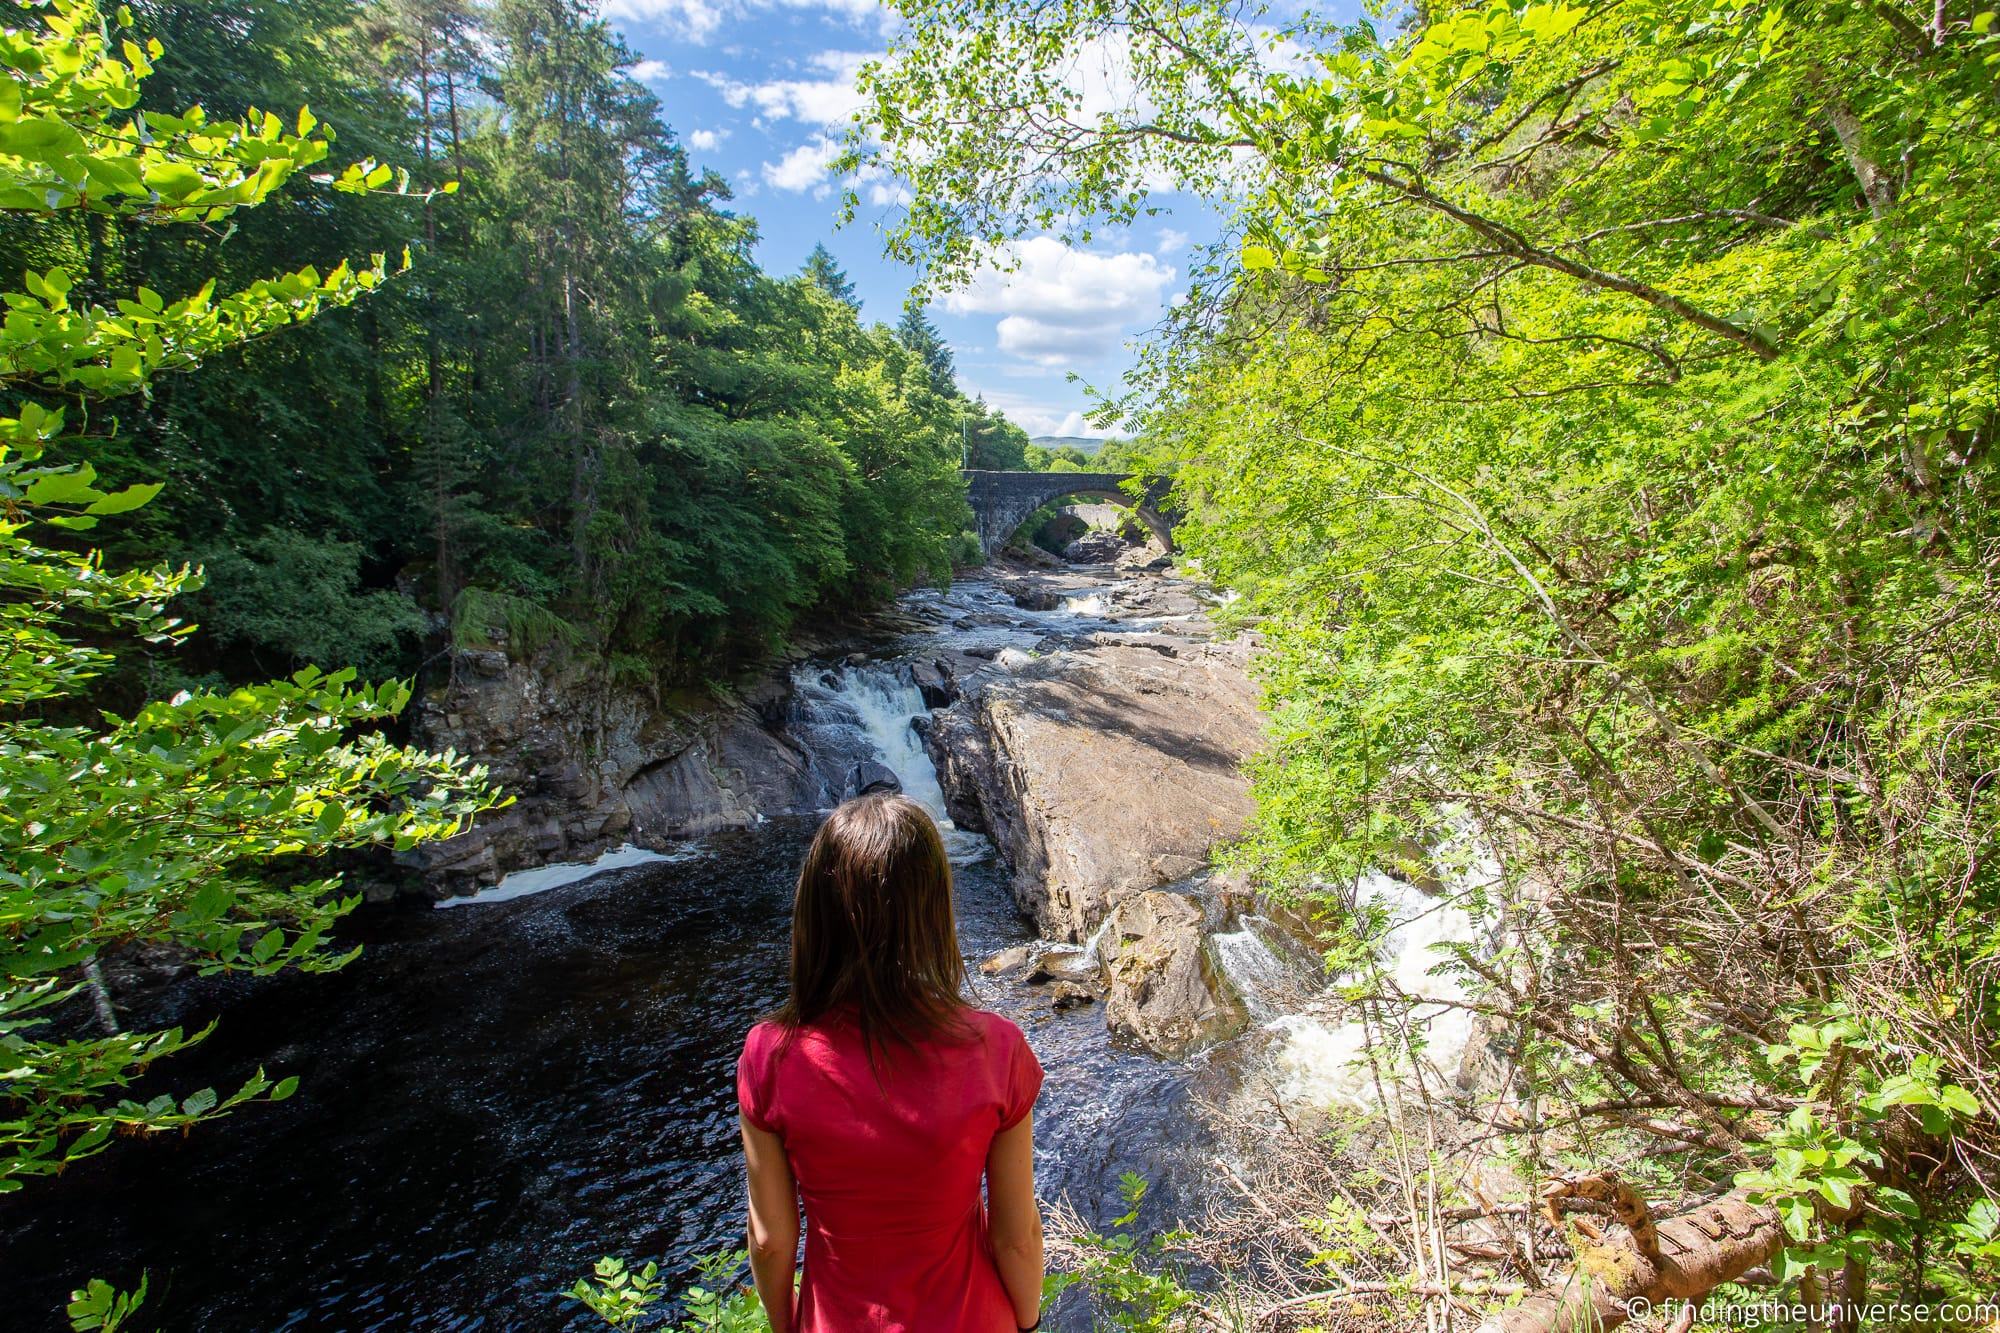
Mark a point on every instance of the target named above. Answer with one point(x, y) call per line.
point(494, 1096)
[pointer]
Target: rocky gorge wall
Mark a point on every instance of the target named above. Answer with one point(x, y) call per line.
point(1106, 764)
point(592, 765)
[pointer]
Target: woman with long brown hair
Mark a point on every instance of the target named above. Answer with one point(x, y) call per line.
point(882, 1098)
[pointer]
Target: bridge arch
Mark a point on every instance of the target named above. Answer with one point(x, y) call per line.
point(1002, 501)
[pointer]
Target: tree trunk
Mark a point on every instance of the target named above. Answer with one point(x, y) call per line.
point(583, 462)
point(433, 370)
point(1680, 1259)
point(1877, 186)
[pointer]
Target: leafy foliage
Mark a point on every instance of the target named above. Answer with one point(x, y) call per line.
point(717, 1303)
point(1133, 1283)
point(585, 400)
point(97, 1307)
point(158, 826)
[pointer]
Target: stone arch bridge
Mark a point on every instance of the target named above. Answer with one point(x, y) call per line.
point(1002, 501)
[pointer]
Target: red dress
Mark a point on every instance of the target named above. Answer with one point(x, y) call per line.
point(890, 1169)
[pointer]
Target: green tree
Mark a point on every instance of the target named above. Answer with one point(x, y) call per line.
point(994, 442)
point(585, 410)
point(432, 52)
point(825, 271)
point(159, 826)
point(917, 333)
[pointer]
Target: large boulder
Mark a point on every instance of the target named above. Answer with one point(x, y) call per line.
point(1101, 772)
point(1162, 987)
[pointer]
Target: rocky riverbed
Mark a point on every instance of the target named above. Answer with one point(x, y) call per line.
point(1080, 720)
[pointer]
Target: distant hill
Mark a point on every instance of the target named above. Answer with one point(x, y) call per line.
point(1083, 442)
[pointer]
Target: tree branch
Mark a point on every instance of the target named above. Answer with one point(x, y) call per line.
point(1518, 246)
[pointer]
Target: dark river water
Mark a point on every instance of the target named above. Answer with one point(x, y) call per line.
point(493, 1096)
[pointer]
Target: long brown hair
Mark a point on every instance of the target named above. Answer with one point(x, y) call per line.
point(872, 926)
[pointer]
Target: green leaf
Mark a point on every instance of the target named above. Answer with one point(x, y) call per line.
point(174, 180)
point(1896, 1201)
point(132, 497)
point(62, 487)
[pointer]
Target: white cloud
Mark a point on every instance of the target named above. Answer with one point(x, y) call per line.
point(1172, 241)
point(697, 20)
point(706, 141)
point(1039, 417)
point(889, 194)
point(690, 20)
point(1050, 277)
point(1046, 343)
point(1057, 304)
point(1074, 424)
point(651, 71)
point(860, 13)
point(804, 168)
point(827, 102)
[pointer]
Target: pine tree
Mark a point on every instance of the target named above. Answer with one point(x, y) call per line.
point(432, 50)
point(917, 333)
point(832, 279)
point(577, 134)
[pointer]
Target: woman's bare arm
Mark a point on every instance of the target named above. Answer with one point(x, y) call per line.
point(774, 1223)
point(1014, 1219)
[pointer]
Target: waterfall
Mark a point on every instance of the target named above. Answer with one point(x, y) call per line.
point(1092, 605)
point(1265, 981)
point(848, 714)
point(1093, 947)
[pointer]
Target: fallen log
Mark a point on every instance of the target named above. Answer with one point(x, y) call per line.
point(1644, 1263)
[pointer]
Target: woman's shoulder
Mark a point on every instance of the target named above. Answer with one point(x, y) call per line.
point(1012, 1066)
point(765, 1038)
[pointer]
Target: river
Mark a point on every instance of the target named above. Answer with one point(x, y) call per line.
point(492, 1096)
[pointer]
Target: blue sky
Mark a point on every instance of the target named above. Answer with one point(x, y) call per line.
point(760, 90)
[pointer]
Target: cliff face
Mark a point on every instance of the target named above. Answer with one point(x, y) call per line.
point(592, 765)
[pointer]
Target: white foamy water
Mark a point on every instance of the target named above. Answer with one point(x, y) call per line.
point(553, 876)
point(868, 712)
point(1323, 1062)
point(1263, 980)
point(1092, 949)
point(1092, 605)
